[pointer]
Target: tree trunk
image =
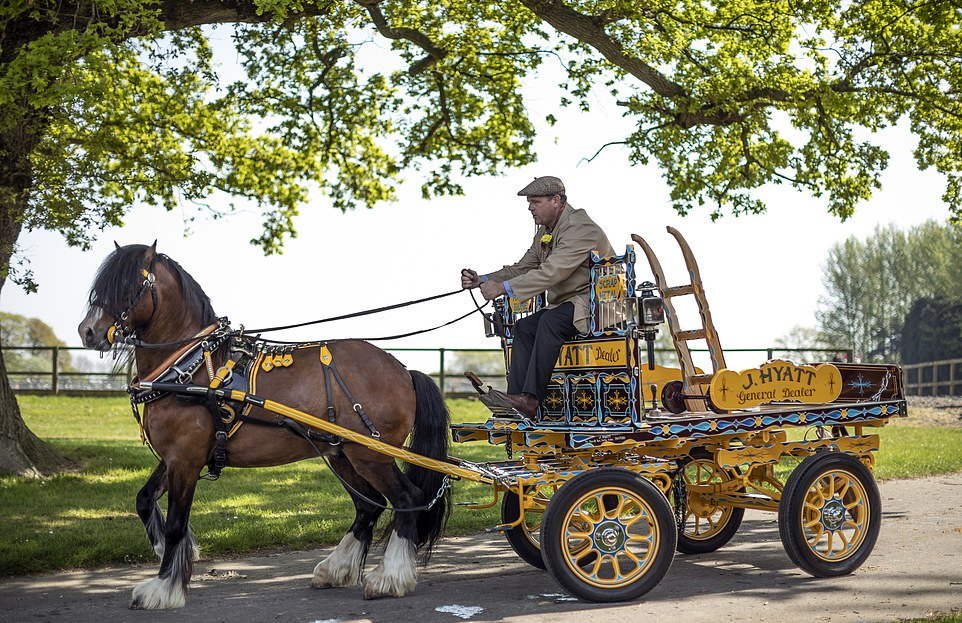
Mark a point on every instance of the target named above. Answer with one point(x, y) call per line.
point(21, 452)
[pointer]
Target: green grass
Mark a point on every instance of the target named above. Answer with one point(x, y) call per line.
point(940, 617)
point(87, 517)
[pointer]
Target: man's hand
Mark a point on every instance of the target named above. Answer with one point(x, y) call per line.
point(492, 289)
point(469, 279)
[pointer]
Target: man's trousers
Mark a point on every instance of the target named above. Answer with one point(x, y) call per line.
point(535, 348)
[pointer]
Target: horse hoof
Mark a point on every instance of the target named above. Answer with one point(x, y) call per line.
point(343, 566)
point(371, 592)
point(158, 594)
point(379, 584)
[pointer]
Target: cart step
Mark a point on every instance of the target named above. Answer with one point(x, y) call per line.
point(694, 334)
point(701, 379)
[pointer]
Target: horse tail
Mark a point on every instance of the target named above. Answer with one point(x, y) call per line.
point(430, 438)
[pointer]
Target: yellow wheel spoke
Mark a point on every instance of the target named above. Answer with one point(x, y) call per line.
point(632, 557)
point(816, 509)
point(845, 542)
point(630, 521)
point(616, 567)
point(619, 508)
point(599, 513)
point(596, 566)
point(846, 487)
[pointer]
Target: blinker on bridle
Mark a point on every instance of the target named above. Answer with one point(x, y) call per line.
point(120, 329)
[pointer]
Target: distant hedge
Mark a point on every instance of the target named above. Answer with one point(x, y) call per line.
point(932, 331)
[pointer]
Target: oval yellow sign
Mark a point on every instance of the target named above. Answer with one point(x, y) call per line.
point(775, 381)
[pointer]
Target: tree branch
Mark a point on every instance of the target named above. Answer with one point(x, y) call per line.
point(590, 30)
point(435, 53)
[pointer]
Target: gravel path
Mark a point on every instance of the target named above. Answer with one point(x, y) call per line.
point(915, 569)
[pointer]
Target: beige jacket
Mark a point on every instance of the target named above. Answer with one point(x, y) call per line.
point(561, 266)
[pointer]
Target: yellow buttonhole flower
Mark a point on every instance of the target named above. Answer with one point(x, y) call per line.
point(546, 239)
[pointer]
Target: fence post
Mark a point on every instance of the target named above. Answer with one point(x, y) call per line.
point(770, 353)
point(55, 368)
point(441, 374)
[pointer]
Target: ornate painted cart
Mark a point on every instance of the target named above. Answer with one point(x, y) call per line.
point(628, 460)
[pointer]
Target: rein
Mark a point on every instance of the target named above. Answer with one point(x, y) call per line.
point(366, 312)
point(137, 343)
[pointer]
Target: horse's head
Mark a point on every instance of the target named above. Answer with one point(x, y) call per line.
point(123, 296)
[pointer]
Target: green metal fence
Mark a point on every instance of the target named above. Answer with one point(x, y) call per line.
point(46, 375)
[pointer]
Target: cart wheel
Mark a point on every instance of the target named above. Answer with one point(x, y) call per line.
point(830, 514)
point(524, 539)
point(712, 406)
point(608, 535)
point(671, 397)
point(708, 525)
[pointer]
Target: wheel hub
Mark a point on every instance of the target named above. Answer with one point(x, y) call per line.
point(833, 514)
point(609, 537)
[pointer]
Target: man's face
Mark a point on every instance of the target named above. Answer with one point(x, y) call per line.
point(545, 210)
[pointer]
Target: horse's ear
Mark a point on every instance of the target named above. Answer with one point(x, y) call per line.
point(152, 251)
point(116, 245)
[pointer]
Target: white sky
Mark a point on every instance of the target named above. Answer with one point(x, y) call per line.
point(762, 273)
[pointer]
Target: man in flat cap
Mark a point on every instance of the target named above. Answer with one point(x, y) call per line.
point(557, 261)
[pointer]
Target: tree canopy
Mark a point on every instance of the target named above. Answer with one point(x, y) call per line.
point(872, 284)
point(17, 330)
point(119, 102)
point(111, 103)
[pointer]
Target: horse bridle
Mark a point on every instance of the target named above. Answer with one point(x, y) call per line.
point(120, 329)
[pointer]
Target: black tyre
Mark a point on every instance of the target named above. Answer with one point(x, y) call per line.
point(708, 525)
point(830, 514)
point(608, 535)
point(524, 538)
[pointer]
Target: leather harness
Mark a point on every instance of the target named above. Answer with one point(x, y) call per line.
point(246, 358)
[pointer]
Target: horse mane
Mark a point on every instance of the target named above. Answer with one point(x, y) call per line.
point(118, 281)
point(194, 295)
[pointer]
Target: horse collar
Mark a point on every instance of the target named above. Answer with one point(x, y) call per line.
point(180, 366)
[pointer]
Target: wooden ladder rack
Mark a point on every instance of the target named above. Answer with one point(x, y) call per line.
point(691, 379)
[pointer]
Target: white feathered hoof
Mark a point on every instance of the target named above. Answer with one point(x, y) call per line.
point(342, 567)
point(397, 574)
point(158, 594)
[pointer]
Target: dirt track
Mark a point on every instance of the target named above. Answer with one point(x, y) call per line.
point(916, 568)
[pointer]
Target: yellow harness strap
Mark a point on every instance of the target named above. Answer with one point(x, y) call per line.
point(325, 355)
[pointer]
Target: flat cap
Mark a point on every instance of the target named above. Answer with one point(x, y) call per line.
point(543, 187)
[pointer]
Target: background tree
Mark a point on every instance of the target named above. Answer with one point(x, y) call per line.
point(22, 331)
point(932, 331)
point(871, 285)
point(801, 337)
point(108, 104)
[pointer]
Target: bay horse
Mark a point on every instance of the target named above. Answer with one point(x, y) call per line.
point(138, 293)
